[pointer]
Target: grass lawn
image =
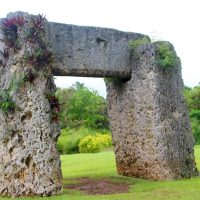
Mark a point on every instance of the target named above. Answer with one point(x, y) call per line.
point(103, 165)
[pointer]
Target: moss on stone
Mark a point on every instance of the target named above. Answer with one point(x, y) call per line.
point(116, 81)
point(165, 55)
point(134, 44)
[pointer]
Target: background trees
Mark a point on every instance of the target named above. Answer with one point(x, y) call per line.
point(192, 96)
point(82, 107)
point(83, 119)
point(83, 113)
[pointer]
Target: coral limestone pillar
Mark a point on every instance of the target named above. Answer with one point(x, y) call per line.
point(149, 119)
point(29, 161)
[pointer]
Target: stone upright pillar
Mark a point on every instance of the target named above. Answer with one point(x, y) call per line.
point(149, 121)
point(29, 162)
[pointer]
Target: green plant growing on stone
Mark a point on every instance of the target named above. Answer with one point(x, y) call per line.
point(165, 55)
point(38, 58)
point(134, 44)
point(115, 81)
point(41, 57)
point(6, 103)
point(29, 76)
point(55, 106)
point(118, 82)
point(9, 29)
point(5, 53)
point(36, 29)
point(17, 82)
point(2, 64)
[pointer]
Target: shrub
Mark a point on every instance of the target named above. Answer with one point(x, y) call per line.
point(68, 143)
point(69, 139)
point(105, 140)
point(94, 143)
point(89, 144)
point(165, 55)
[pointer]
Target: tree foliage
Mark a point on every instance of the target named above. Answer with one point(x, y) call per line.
point(82, 107)
point(192, 96)
point(165, 55)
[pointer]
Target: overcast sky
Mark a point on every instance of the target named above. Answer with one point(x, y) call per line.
point(174, 20)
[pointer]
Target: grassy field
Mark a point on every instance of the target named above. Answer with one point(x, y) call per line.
point(103, 165)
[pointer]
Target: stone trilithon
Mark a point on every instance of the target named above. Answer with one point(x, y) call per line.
point(148, 116)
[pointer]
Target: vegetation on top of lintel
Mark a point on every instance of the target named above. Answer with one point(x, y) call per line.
point(165, 55)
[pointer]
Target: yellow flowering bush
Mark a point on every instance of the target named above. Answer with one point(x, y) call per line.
point(94, 143)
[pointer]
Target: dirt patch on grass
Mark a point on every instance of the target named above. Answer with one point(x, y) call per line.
point(98, 186)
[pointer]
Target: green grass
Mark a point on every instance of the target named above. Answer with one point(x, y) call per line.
point(88, 165)
point(102, 165)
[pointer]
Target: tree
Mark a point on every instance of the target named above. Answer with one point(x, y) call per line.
point(192, 97)
point(64, 96)
point(82, 107)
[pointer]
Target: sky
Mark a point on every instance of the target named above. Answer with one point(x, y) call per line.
point(176, 21)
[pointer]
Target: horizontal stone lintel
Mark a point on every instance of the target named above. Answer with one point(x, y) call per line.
point(89, 51)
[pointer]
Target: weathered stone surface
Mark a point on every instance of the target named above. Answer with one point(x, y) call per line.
point(148, 116)
point(1, 44)
point(29, 161)
point(90, 51)
point(149, 122)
